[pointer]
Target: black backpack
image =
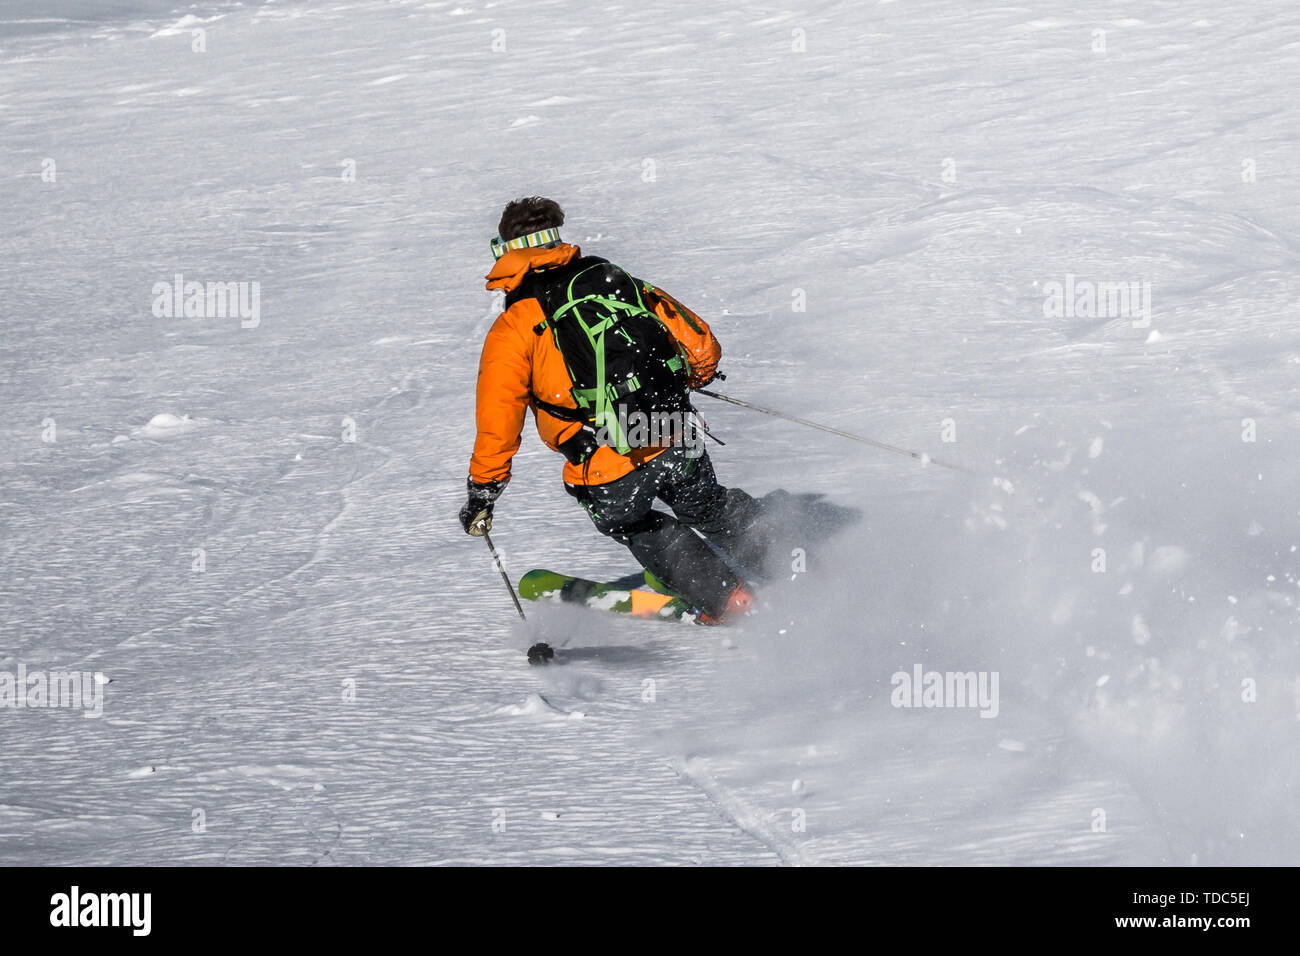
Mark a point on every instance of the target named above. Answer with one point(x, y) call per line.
point(625, 364)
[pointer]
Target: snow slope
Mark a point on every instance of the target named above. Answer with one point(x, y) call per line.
point(343, 681)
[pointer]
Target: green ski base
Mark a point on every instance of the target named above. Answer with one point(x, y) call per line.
point(541, 585)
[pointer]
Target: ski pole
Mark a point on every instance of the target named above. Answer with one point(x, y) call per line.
point(924, 459)
point(496, 559)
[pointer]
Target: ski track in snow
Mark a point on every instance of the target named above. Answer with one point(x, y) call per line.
point(343, 682)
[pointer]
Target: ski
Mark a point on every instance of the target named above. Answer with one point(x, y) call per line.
point(627, 596)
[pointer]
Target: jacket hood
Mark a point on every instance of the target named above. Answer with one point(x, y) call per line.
point(511, 268)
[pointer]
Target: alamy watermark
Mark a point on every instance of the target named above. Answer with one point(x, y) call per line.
point(655, 430)
point(81, 690)
point(1077, 298)
point(209, 300)
point(130, 910)
point(922, 688)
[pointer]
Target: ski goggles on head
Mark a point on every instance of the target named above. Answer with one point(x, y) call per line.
point(540, 238)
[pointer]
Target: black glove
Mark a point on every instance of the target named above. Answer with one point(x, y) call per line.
point(476, 515)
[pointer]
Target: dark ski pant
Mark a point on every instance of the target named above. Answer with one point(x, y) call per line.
point(665, 545)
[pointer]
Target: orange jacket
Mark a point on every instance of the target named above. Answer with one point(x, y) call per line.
point(519, 365)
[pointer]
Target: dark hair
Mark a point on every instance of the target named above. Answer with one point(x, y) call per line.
point(529, 214)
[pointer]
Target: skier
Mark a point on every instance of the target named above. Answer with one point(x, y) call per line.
point(529, 359)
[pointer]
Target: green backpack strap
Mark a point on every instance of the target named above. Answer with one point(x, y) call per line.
point(601, 400)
